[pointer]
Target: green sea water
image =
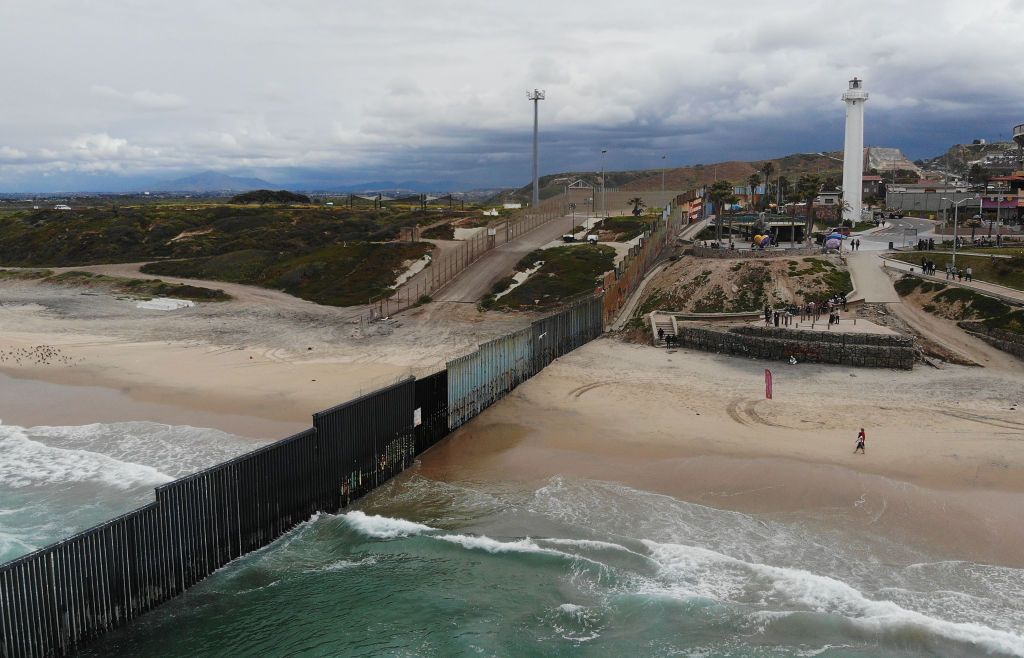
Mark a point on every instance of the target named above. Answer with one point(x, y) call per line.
point(578, 568)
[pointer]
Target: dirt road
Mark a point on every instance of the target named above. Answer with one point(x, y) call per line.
point(476, 281)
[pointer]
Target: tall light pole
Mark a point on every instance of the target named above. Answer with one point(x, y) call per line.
point(604, 208)
point(663, 172)
point(956, 216)
point(535, 96)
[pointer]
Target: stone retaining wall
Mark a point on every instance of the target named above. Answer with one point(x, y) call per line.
point(708, 252)
point(1006, 341)
point(865, 350)
point(837, 337)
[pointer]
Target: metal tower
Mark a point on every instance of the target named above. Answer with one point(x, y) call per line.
point(536, 96)
point(853, 151)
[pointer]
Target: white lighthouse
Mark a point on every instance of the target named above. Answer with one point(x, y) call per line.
point(853, 150)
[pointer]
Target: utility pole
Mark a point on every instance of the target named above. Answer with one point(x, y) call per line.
point(604, 208)
point(663, 172)
point(535, 96)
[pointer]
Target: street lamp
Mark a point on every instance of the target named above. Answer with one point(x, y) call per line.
point(956, 213)
point(572, 208)
point(604, 208)
point(663, 172)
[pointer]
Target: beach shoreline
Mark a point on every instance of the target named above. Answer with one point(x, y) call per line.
point(695, 426)
point(944, 467)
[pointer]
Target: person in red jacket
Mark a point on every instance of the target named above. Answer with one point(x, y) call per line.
point(861, 437)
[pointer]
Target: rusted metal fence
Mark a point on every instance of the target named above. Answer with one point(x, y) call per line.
point(54, 600)
point(481, 378)
point(623, 281)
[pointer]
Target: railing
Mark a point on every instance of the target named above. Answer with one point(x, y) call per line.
point(58, 598)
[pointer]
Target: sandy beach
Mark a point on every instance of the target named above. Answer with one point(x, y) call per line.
point(944, 468)
point(263, 356)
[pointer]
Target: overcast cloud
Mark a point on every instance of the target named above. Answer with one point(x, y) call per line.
point(109, 92)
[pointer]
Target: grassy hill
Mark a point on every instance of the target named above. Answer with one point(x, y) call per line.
point(337, 256)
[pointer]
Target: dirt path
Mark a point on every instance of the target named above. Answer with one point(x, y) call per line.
point(870, 280)
point(951, 337)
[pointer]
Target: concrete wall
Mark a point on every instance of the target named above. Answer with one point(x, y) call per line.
point(932, 202)
point(617, 201)
point(864, 350)
point(1002, 340)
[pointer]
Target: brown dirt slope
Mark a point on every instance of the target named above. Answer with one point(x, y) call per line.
point(699, 285)
point(685, 178)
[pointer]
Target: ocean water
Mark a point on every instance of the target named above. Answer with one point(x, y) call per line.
point(56, 481)
point(579, 568)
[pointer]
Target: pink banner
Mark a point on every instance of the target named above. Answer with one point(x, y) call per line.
point(767, 384)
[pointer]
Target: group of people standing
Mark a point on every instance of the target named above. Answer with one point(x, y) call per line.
point(952, 273)
point(814, 310)
point(855, 244)
point(809, 312)
point(779, 317)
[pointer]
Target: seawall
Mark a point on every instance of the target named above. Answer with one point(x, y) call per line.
point(851, 349)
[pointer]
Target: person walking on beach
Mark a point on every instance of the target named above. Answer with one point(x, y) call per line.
point(861, 438)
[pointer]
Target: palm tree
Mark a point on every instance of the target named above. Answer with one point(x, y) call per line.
point(807, 189)
point(637, 204)
point(753, 181)
point(768, 168)
point(784, 186)
point(721, 193)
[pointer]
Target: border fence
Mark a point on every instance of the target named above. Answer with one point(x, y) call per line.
point(442, 270)
point(56, 599)
point(623, 281)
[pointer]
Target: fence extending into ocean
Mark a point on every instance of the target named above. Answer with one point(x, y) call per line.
point(56, 599)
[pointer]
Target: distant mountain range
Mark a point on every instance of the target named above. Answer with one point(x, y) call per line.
point(212, 181)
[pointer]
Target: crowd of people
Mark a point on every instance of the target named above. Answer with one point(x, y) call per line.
point(810, 312)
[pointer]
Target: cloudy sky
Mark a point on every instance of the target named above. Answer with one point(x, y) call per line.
point(115, 93)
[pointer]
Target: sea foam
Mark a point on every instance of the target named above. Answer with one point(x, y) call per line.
point(26, 462)
point(702, 572)
point(383, 527)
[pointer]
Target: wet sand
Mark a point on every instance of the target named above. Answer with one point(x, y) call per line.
point(944, 469)
point(231, 386)
point(34, 402)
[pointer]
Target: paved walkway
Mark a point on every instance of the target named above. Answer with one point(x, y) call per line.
point(848, 324)
point(1009, 294)
point(871, 283)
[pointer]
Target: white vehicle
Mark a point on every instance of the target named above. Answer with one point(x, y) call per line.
point(592, 238)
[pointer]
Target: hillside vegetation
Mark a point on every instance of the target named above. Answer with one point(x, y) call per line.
point(328, 255)
point(567, 272)
point(268, 196)
point(135, 288)
point(698, 285)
